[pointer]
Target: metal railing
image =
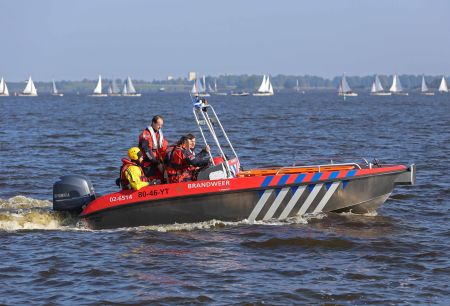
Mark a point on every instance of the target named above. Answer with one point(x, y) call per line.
point(318, 166)
point(209, 122)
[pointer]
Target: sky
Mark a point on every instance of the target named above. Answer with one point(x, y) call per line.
point(73, 40)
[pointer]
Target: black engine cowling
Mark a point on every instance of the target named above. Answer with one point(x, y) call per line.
point(72, 193)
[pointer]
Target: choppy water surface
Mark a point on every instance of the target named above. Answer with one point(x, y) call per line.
point(398, 256)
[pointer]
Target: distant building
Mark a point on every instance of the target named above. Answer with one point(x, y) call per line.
point(169, 77)
point(192, 76)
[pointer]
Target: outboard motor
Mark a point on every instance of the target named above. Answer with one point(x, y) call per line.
point(72, 192)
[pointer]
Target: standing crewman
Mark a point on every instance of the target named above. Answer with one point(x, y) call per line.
point(153, 146)
point(183, 164)
point(131, 174)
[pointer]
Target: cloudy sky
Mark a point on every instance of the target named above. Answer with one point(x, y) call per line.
point(72, 40)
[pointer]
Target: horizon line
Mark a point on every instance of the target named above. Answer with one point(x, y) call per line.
point(226, 75)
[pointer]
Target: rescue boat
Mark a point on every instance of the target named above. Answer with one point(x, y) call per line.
point(226, 192)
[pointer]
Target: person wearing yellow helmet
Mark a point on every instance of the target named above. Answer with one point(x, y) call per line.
point(131, 174)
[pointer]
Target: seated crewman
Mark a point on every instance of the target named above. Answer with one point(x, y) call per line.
point(182, 163)
point(192, 144)
point(131, 174)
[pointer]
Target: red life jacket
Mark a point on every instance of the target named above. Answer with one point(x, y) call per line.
point(158, 148)
point(124, 183)
point(178, 170)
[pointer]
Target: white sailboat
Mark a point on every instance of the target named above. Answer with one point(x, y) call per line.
point(125, 89)
point(240, 94)
point(265, 89)
point(216, 92)
point(55, 91)
point(4, 92)
point(30, 89)
point(297, 89)
point(344, 89)
point(396, 87)
point(112, 89)
point(204, 87)
point(198, 90)
point(203, 92)
point(129, 90)
point(98, 89)
point(377, 88)
point(424, 88)
point(443, 88)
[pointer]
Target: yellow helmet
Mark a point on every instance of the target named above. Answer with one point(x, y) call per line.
point(134, 153)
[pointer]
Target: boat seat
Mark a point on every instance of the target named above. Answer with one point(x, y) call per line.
point(216, 172)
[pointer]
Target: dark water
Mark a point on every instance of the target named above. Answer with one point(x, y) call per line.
point(400, 256)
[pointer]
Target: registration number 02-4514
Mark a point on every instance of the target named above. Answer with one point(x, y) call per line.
point(120, 198)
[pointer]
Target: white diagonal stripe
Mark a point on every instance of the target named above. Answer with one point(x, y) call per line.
point(309, 199)
point(283, 192)
point(260, 205)
point(292, 202)
point(326, 197)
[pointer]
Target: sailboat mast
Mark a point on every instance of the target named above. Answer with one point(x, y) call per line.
point(342, 86)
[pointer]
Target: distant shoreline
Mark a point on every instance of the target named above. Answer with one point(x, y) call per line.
point(244, 82)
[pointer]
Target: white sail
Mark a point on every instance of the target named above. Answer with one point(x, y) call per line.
point(210, 88)
point(203, 85)
point(378, 86)
point(130, 86)
point(396, 85)
point(374, 88)
point(424, 87)
point(110, 90)
point(266, 86)
point(3, 88)
point(114, 87)
point(215, 85)
point(124, 90)
point(33, 89)
point(98, 88)
point(54, 91)
point(269, 85)
point(270, 88)
point(263, 87)
point(344, 87)
point(297, 87)
point(194, 89)
point(30, 89)
point(443, 87)
point(200, 87)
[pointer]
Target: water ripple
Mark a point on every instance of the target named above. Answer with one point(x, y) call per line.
point(397, 256)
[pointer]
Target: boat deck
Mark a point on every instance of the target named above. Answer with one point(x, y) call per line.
point(298, 169)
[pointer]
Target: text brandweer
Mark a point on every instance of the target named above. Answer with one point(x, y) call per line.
point(208, 184)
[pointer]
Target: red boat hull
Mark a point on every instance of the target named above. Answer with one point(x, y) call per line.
point(253, 198)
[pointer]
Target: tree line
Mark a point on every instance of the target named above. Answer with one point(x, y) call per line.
point(242, 82)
